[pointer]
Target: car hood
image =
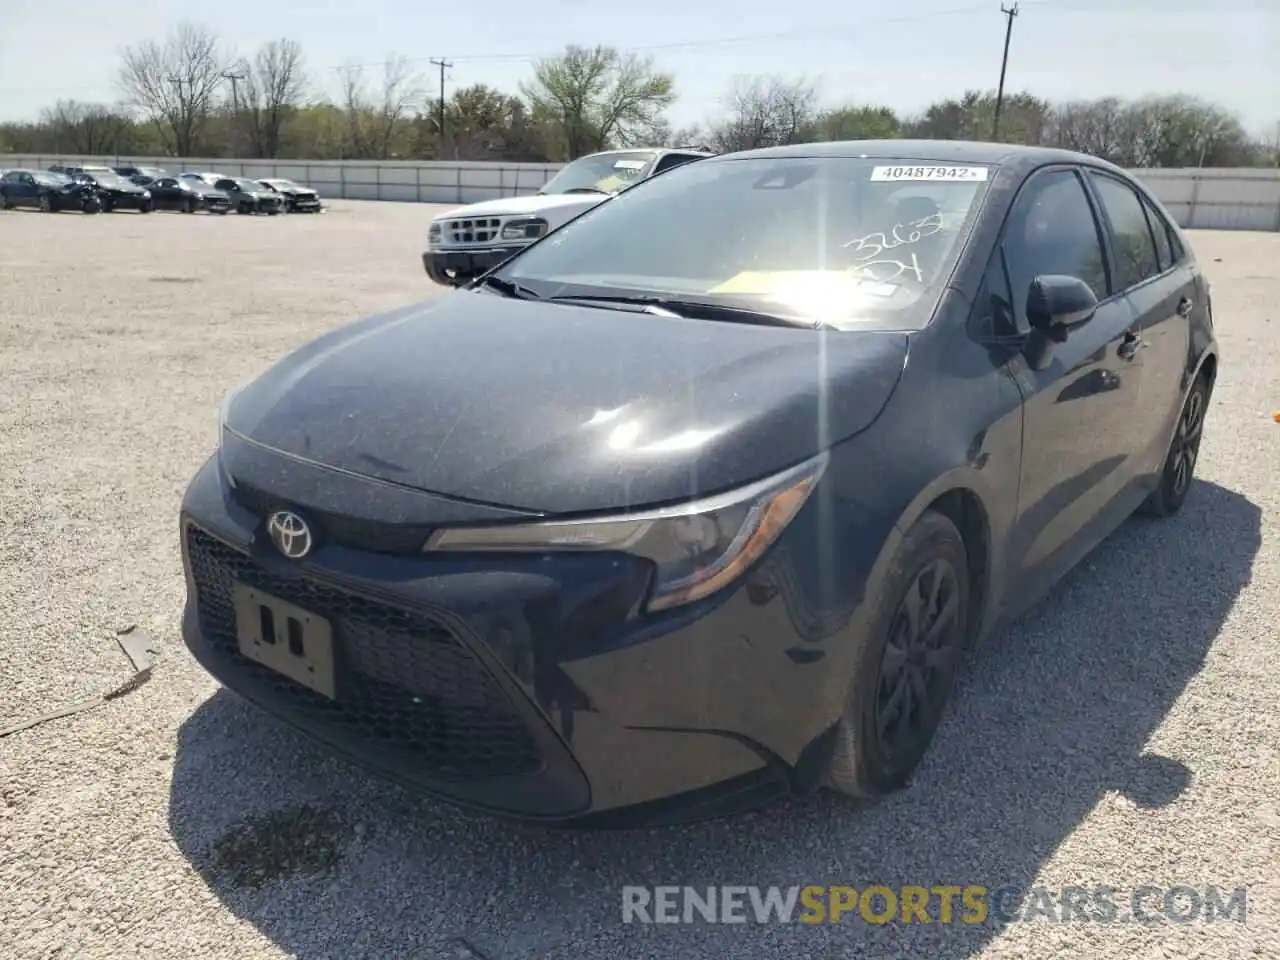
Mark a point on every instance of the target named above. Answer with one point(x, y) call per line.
point(561, 409)
point(524, 205)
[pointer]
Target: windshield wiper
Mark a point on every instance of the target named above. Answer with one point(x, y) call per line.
point(699, 310)
point(508, 288)
point(587, 190)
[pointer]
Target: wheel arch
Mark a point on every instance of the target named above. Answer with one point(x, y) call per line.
point(964, 497)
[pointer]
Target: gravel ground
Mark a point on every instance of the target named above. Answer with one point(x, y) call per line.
point(1127, 734)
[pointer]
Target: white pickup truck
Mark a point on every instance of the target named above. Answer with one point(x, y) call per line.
point(467, 241)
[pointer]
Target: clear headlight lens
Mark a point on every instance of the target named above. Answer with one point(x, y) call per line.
point(528, 228)
point(224, 407)
point(146, 194)
point(433, 235)
point(697, 548)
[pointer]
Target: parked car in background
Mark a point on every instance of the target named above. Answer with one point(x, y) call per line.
point(466, 241)
point(188, 196)
point(130, 172)
point(249, 196)
point(297, 198)
point(116, 192)
point(702, 499)
point(47, 191)
point(207, 178)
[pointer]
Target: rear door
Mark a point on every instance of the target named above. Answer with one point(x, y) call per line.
point(1078, 412)
point(1161, 286)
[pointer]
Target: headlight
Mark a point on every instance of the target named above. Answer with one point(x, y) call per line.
point(224, 407)
point(697, 548)
point(433, 235)
point(528, 228)
point(146, 194)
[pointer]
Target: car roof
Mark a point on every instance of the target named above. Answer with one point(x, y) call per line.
point(948, 151)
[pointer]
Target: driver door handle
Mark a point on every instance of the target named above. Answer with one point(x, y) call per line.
point(1130, 345)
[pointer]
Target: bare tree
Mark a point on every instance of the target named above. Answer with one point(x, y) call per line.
point(175, 82)
point(598, 97)
point(88, 129)
point(766, 112)
point(373, 120)
point(273, 86)
point(1097, 127)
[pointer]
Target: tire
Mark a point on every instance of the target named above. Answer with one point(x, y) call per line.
point(108, 206)
point(46, 204)
point(273, 213)
point(1179, 467)
point(223, 211)
point(145, 206)
point(864, 760)
point(4, 202)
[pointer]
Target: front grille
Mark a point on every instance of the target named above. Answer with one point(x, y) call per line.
point(398, 539)
point(407, 686)
point(472, 230)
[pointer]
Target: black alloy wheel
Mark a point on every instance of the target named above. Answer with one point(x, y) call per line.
point(1184, 450)
point(904, 675)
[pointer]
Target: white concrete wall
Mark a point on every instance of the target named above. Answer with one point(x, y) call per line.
point(1201, 198)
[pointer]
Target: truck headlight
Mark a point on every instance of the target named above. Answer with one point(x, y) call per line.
point(697, 548)
point(433, 235)
point(527, 228)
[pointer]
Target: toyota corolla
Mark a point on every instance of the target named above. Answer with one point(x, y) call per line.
point(697, 501)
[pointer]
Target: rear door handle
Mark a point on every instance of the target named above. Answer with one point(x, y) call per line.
point(1130, 346)
point(1185, 306)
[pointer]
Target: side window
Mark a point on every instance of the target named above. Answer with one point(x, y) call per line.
point(993, 311)
point(1135, 248)
point(1167, 245)
point(672, 160)
point(1052, 230)
point(1159, 230)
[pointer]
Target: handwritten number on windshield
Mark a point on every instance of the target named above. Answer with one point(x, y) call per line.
point(874, 244)
point(891, 271)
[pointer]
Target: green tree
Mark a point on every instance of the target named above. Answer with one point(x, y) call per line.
point(597, 97)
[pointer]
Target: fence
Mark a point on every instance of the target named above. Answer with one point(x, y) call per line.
point(415, 182)
point(1201, 198)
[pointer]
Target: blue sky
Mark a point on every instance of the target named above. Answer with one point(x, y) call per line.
point(903, 55)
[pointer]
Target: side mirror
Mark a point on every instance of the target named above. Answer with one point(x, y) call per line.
point(1057, 304)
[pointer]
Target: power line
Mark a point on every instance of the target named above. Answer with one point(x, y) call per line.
point(1009, 13)
point(1096, 6)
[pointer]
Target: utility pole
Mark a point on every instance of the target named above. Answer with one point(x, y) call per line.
point(235, 79)
point(1009, 13)
point(443, 65)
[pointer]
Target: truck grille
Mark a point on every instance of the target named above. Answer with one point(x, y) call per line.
point(472, 230)
point(410, 692)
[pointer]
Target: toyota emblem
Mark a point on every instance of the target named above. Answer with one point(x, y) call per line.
point(290, 533)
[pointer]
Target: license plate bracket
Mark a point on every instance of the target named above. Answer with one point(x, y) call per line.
point(294, 642)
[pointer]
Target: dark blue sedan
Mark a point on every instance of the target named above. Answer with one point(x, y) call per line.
point(697, 501)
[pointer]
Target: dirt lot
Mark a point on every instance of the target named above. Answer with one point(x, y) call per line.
point(1128, 734)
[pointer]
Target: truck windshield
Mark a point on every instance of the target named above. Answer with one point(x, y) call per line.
point(601, 173)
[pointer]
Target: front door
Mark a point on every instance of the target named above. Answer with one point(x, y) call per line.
point(1079, 410)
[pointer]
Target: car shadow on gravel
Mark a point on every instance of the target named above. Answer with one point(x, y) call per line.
point(1051, 719)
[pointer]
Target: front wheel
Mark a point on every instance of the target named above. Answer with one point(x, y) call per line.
point(1180, 461)
point(46, 203)
point(145, 206)
point(904, 673)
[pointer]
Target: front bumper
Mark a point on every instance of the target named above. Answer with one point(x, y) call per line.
point(524, 688)
point(455, 267)
point(303, 204)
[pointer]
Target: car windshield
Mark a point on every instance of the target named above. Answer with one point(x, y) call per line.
point(603, 173)
point(51, 179)
point(840, 241)
point(249, 185)
point(108, 179)
point(288, 184)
